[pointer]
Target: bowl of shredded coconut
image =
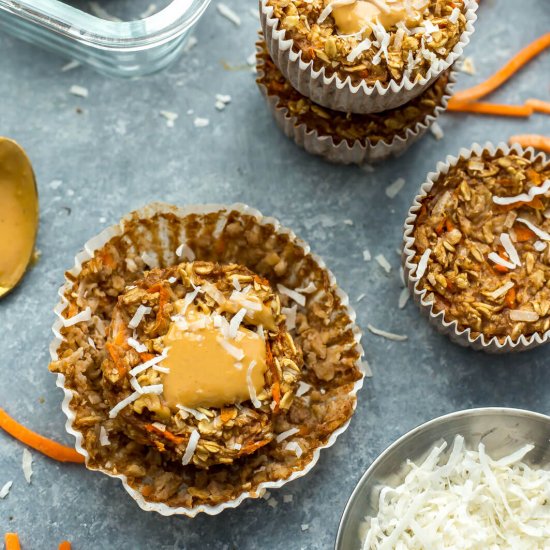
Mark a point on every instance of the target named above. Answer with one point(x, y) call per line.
point(475, 479)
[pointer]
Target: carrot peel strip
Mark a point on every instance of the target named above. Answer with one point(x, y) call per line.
point(38, 442)
point(503, 74)
point(11, 541)
point(532, 140)
point(65, 545)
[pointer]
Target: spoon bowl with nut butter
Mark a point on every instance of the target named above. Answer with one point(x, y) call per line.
point(18, 214)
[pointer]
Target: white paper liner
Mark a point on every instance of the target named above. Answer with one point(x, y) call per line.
point(343, 95)
point(97, 242)
point(437, 319)
point(342, 152)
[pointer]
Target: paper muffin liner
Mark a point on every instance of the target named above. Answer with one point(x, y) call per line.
point(437, 319)
point(342, 95)
point(166, 256)
point(362, 151)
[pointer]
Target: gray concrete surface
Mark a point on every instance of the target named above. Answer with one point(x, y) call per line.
point(119, 154)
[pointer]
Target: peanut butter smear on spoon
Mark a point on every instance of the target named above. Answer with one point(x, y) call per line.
point(18, 214)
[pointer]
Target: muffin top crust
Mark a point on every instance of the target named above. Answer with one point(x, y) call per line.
point(372, 41)
point(374, 127)
point(481, 245)
point(199, 350)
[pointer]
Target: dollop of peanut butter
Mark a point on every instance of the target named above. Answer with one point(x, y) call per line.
point(203, 372)
point(18, 214)
point(361, 14)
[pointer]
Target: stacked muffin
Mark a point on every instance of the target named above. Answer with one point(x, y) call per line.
point(360, 80)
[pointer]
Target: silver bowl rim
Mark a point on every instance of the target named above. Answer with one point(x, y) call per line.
point(480, 411)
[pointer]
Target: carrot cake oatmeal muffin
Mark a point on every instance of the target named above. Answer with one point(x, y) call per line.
point(365, 130)
point(479, 245)
point(365, 56)
point(205, 356)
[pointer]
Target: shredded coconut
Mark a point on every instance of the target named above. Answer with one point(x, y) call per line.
point(5, 489)
point(501, 290)
point(467, 501)
point(235, 322)
point(141, 311)
point(133, 343)
point(494, 257)
point(525, 316)
point(386, 334)
point(403, 298)
point(453, 18)
point(293, 447)
point(360, 297)
point(237, 353)
point(191, 447)
point(92, 343)
point(308, 289)
point(292, 294)
point(170, 117)
point(285, 435)
point(540, 233)
point(287, 499)
point(26, 464)
point(539, 246)
point(290, 314)
point(393, 189)
point(119, 406)
point(70, 66)
point(197, 414)
point(510, 248)
point(251, 389)
point(524, 197)
point(229, 14)
point(103, 437)
point(79, 91)
point(328, 9)
point(303, 388)
point(383, 263)
point(200, 122)
point(148, 364)
point(82, 317)
point(185, 251)
point(468, 66)
point(359, 49)
point(437, 131)
point(367, 255)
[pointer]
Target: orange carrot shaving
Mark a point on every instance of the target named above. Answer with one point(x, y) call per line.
point(490, 108)
point(65, 545)
point(533, 176)
point(523, 234)
point(539, 105)
point(38, 442)
point(226, 414)
point(249, 449)
point(510, 298)
point(449, 226)
point(532, 140)
point(108, 260)
point(11, 541)
point(503, 74)
point(117, 360)
point(536, 203)
point(163, 300)
point(500, 268)
point(177, 440)
point(439, 227)
point(146, 356)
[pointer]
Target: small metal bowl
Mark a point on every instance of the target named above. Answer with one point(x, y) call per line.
point(502, 431)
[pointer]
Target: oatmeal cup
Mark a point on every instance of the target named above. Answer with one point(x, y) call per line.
point(205, 355)
point(476, 255)
point(362, 56)
point(344, 137)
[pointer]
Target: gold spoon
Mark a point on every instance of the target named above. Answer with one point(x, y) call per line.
point(18, 214)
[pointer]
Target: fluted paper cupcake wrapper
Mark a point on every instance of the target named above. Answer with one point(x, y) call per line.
point(361, 151)
point(437, 319)
point(167, 256)
point(342, 95)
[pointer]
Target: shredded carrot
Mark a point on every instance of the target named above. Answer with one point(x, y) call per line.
point(539, 105)
point(117, 360)
point(248, 449)
point(146, 356)
point(536, 203)
point(168, 435)
point(503, 74)
point(501, 268)
point(65, 545)
point(523, 233)
point(439, 227)
point(11, 541)
point(226, 414)
point(532, 140)
point(533, 176)
point(40, 443)
point(490, 108)
point(510, 298)
point(163, 300)
point(449, 226)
